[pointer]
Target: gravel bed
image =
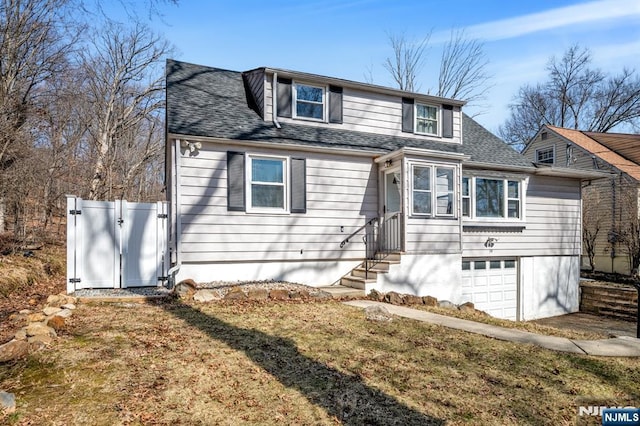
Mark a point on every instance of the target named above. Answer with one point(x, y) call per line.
point(123, 292)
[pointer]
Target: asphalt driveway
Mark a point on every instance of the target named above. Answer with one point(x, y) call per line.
point(593, 323)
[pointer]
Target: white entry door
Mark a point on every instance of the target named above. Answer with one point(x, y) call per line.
point(492, 286)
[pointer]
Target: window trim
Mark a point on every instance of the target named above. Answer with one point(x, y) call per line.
point(472, 217)
point(286, 184)
point(551, 148)
point(433, 190)
point(294, 99)
point(438, 119)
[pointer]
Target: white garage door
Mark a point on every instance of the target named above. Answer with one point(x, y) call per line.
point(492, 286)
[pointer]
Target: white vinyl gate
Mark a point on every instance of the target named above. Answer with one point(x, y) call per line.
point(115, 244)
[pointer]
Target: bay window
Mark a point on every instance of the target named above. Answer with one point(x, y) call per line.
point(432, 190)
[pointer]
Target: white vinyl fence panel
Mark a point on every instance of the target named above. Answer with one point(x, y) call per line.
point(115, 244)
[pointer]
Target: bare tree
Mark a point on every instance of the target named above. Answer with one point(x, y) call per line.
point(126, 88)
point(574, 96)
point(408, 60)
point(593, 217)
point(33, 47)
point(463, 68)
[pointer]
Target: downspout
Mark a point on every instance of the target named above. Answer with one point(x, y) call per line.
point(274, 100)
point(175, 172)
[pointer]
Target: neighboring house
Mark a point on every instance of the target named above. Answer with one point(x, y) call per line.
point(277, 174)
point(610, 205)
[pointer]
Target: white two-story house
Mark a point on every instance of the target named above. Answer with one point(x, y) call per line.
point(283, 175)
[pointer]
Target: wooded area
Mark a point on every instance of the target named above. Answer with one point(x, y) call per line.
point(81, 112)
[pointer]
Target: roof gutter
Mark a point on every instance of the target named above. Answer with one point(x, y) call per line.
point(274, 102)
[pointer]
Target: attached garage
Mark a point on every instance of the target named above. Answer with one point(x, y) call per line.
point(492, 286)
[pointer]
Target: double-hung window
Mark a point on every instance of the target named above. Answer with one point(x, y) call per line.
point(426, 119)
point(267, 189)
point(309, 102)
point(432, 190)
point(545, 155)
point(491, 198)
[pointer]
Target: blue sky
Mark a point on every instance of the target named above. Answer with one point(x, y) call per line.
point(348, 38)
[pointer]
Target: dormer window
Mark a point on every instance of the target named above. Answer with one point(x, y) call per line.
point(427, 119)
point(309, 101)
point(545, 155)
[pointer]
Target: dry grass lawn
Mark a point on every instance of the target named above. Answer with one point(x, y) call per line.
point(297, 363)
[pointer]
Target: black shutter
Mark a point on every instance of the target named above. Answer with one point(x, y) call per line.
point(447, 121)
point(335, 104)
point(284, 97)
point(235, 181)
point(407, 115)
point(298, 185)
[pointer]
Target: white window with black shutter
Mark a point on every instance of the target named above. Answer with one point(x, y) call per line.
point(309, 101)
point(427, 119)
point(265, 183)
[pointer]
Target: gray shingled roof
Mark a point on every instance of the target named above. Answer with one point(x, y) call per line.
point(211, 102)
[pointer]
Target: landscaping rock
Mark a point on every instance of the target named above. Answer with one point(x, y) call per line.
point(57, 300)
point(186, 288)
point(430, 301)
point(56, 322)
point(376, 295)
point(36, 317)
point(467, 306)
point(410, 299)
point(278, 294)
point(394, 298)
point(320, 295)
point(378, 313)
point(50, 310)
point(204, 296)
point(7, 402)
point(65, 313)
point(69, 306)
point(258, 294)
point(40, 340)
point(12, 350)
point(446, 304)
point(39, 329)
point(235, 293)
point(21, 334)
point(301, 294)
point(25, 312)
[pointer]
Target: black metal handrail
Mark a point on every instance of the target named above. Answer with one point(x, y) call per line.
point(380, 241)
point(357, 231)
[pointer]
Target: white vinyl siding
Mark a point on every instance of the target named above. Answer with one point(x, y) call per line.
point(341, 195)
point(371, 113)
point(552, 226)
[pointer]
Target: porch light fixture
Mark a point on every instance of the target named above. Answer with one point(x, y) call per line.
point(191, 146)
point(388, 163)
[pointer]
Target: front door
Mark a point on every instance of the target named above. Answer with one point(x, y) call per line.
point(391, 227)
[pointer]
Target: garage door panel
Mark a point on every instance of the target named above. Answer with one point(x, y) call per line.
point(492, 287)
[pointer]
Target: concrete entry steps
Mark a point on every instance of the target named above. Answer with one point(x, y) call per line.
point(620, 346)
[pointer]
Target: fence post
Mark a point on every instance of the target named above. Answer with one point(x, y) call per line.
point(73, 241)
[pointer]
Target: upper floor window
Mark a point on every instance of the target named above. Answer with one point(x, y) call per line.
point(432, 191)
point(490, 198)
point(426, 119)
point(545, 155)
point(309, 101)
